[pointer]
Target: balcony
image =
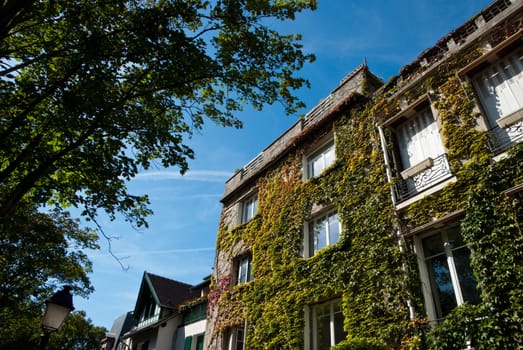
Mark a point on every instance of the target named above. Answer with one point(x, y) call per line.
point(148, 321)
point(437, 172)
point(506, 133)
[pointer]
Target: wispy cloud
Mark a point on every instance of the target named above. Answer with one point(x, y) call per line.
point(154, 252)
point(192, 175)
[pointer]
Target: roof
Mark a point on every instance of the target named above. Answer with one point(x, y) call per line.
point(164, 291)
point(120, 326)
point(353, 86)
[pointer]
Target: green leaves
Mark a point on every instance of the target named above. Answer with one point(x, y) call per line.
point(99, 90)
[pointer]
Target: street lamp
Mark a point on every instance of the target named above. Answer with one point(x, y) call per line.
point(57, 309)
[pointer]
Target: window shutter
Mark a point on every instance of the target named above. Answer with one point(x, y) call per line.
point(188, 342)
point(419, 139)
point(500, 87)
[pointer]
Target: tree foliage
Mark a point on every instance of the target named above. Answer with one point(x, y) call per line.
point(40, 252)
point(22, 331)
point(94, 91)
point(77, 333)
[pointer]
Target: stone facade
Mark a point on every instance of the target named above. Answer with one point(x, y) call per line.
point(424, 153)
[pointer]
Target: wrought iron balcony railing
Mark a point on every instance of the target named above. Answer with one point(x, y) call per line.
point(438, 172)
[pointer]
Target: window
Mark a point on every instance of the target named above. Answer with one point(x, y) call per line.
point(236, 339)
point(188, 343)
point(445, 270)
point(145, 345)
point(420, 158)
point(250, 208)
point(197, 344)
point(149, 313)
point(326, 325)
point(320, 160)
point(244, 270)
point(419, 139)
point(321, 232)
point(499, 87)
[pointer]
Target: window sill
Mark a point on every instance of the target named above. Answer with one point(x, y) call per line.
point(418, 168)
point(510, 119)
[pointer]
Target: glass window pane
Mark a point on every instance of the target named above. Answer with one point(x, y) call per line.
point(250, 208)
point(321, 160)
point(454, 237)
point(334, 228)
point(467, 282)
point(239, 339)
point(433, 245)
point(441, 285)
point(320, 235)
point(329, 155)
point(317, 166)
point(328, 325)
point(199, 342)
point(249, 270)
point(242, 275)
point(323, 332)
point(339, 332)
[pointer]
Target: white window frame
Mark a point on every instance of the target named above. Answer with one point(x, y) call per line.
point(325, 156)
point(310, 247)
point(244, 270)
point(499, 88)
point(249, 208)
point(236, 338)
point(311, 316)
point(418, 140)
point(428, 284)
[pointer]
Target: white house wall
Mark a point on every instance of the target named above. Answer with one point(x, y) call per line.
point(167, 334)
point(188, 331)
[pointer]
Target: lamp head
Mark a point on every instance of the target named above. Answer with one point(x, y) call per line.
point(57, 308)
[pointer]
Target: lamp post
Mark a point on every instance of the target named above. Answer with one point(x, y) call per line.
point(56, 310)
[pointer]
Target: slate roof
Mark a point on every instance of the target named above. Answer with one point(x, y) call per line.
point(170, 293)
point(120, 326)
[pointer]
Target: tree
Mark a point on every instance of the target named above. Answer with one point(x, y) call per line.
point(94, 91)
point(22, 331)
point(40, 253)
point(77, 333)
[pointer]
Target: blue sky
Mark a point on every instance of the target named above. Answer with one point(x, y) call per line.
point(180, 241)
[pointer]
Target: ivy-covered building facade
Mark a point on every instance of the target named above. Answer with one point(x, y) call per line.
point(389, 216)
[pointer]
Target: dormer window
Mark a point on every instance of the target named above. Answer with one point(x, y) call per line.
point(149, 313)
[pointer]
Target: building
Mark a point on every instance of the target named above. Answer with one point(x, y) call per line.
point(168, 315)
point(112, 339)
point(388, 211)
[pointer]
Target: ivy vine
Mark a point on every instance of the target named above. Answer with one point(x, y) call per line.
point(375, 279)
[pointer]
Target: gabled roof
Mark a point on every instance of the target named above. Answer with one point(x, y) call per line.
point(120, 326)
point(165, 292)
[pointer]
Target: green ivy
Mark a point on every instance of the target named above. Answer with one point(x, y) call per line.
point(375, 279)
